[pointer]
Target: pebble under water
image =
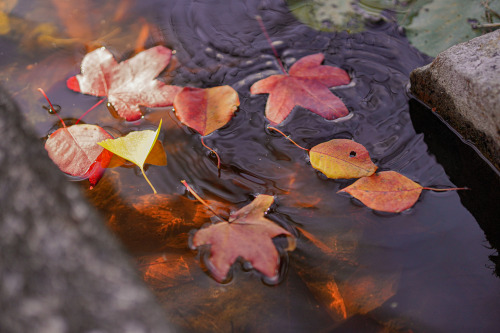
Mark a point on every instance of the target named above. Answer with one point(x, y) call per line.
point(354, 269)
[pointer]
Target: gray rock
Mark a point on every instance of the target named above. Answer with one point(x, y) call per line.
point(60, 268)
point(463, 85)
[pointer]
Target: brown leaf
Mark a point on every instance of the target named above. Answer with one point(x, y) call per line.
point(247, 234)
point(306, 85)
point(166, 271)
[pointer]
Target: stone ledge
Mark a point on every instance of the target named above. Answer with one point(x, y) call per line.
point(61, 270)
point(463, 86)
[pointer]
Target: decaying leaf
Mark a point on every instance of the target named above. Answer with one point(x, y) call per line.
point(306, 85)
point(342, 158)
point(134, 147)
point(386, 191)
point(166, 271)
point(75, 150)
point(247, 234)
point(206, 110)
point(128, 84)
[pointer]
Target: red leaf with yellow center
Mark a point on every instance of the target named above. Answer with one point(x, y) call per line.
point(248, 234)
point(75, 151)
point(342, 158)
point(386, 191)
point(306, 85)
point(127, 84)
point(206, 110)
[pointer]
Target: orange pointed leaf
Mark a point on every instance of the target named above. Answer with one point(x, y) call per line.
point(306, 85)
point(386, 191)
point(206, 110)
point(248, 234)
point(342, 158)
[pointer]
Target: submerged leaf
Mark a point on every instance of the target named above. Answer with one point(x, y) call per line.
point(248, 235)
point(386, 191)
point(75, 150)
point(128, 84)
point(206, 110)
point(342, 158)
point(134, 147)
point(306, 85)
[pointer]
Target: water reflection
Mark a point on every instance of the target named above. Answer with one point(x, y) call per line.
point(422, 270)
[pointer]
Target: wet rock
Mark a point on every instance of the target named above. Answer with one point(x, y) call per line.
point(60, 268)
point(463, 85)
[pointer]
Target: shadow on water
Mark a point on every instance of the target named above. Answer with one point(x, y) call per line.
point(354, 269)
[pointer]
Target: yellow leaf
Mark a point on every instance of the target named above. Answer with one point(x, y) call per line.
point(134, 147)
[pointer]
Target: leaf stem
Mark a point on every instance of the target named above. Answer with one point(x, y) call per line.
point(287, 137)
point(213, 151)
point(144, 174)
point(446, 189)
point(201, 200)
point(92, 108)
point(51, 106)
point(264, 30)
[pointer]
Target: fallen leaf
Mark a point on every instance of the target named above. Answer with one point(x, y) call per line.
point(247, 234)
point(386, 191)
point(306, 85)
point(128, 84)
point(75, 151)
point(342, 158)
point(166, 271)
point(157, 156)
point(134, 147)
point(206, 110)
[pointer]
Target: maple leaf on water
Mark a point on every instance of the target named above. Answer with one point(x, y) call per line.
point(306, 85)
point(127, 84)
point(388, 191)
point(247, 234)
point(75, 151)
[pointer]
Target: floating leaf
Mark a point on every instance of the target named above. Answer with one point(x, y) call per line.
point(157, 156)
point(128, 84)
point(134, 147)
point(386, 191)
point(75, 151)
point(306, 85)
point(342, 158)
point(247, 234)
point(206, 110)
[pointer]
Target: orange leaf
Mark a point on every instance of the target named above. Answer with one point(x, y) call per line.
point(247, 234)
point(206, 110)
point(386, 191)
point(306, 85)
point(342, 158)
point(75, 151)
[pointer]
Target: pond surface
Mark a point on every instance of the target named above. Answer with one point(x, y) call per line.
point(354, 270)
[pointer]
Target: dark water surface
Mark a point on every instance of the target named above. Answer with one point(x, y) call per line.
point(354, 270)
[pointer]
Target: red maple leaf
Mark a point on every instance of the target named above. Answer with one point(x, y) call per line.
point(306, 85)
point(247, 234)
point(75, 151)
point(128, 84)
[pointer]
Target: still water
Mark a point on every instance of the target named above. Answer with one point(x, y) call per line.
point(354, 270)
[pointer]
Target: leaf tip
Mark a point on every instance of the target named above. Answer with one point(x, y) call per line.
point(73, 84)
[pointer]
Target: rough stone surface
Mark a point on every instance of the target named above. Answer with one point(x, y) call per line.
point(463, 85)
point(60, 268)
